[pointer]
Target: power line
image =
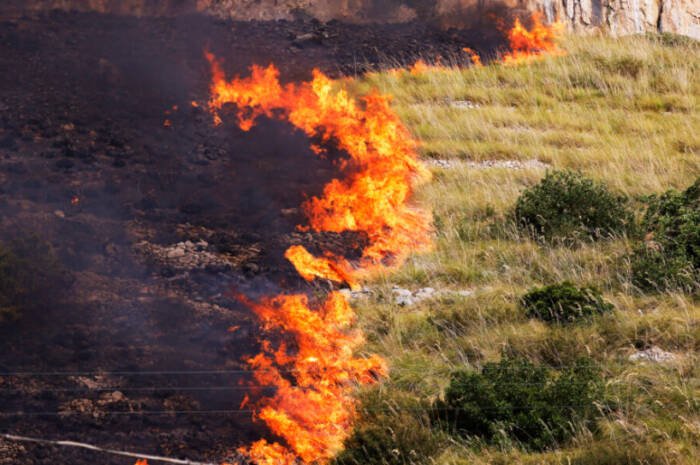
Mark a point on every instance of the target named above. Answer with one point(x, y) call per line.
point(205, 372)
point(82, 445)
point(250, 387)
point(125, 373)
point(125, 413)
point(141, 389)
point(251, 411)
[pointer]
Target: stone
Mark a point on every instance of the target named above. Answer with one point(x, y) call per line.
point(653, 354)
point(176, 252)
point(468, 104)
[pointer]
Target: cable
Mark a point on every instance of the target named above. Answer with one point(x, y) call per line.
point(251, 411)
point(82, 445)
point(122, 373)
point(144, 413)
point(195, 372)
point(32, 390)
point(141, 389)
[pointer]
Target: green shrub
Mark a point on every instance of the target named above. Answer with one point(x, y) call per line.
point(30, 275)
point(391, 431)
point(567, 205)
point(515, 400)
point(669, 256)
point(564, 303)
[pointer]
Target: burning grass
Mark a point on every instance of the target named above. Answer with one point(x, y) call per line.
point(313, 409)
point(622, 112)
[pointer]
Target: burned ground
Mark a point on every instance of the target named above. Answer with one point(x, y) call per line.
point(156, 216)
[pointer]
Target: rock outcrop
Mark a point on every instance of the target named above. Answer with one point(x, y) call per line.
point(621, 17)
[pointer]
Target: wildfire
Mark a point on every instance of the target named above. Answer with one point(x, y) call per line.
point(524, 46)
point(373, 195)
point(540, 40)
point(309, 267)
point(313, 408)
point(473, 56)
point(314, 369)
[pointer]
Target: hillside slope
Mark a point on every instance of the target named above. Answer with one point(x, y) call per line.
point(623, 113)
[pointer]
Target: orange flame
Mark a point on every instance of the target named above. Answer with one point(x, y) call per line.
point(419, 67)
point(527, 46)
point(310, 267)
point(313, 407)
point(373, 196)
point(473, 56)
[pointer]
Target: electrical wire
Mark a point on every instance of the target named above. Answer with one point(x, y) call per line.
point(82, 445)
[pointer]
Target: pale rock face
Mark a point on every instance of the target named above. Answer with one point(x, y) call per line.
point(620, 17)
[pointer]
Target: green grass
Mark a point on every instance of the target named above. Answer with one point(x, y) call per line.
point(621, 111)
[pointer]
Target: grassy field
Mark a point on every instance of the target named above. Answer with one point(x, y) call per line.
point(620, 111)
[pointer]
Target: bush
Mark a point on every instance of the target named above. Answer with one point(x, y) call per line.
point(669, 256)
point(564, 303)
point(517, 400)
point(30, 275)
point(394, 431)
point(567, 205)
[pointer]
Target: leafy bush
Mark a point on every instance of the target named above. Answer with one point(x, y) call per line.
point(567, 205)
point(669, 256)
point(394, 431)
point(517, 400)
point(564, 303)
point(30, 275)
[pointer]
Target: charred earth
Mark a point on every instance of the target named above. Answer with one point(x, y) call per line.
point(155, 216)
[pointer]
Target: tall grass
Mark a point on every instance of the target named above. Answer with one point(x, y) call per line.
point(622, 111)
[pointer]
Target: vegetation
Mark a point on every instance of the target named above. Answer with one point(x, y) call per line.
point(565, 204)
point(29, 274)
point(390, 431)
point(517, 400)
point(564, 303)
point(621, 112)
point(670, 254)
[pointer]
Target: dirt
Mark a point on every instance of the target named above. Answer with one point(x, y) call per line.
point(157, 216)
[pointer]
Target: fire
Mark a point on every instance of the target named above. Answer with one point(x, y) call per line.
point(419, 67)
point(314, 369)
point(540, 40)
point(310, 267)
point(473, 56)
point(313, 408)
point(372, 198)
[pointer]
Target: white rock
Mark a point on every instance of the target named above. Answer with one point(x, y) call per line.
point(176, 252)
point(463, 104)
point(399, 291)
point(653, 354)
point(404, 300)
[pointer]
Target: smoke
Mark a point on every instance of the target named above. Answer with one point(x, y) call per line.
point(451, 13)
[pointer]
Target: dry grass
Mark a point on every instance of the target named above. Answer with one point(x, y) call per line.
point(622, 111)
